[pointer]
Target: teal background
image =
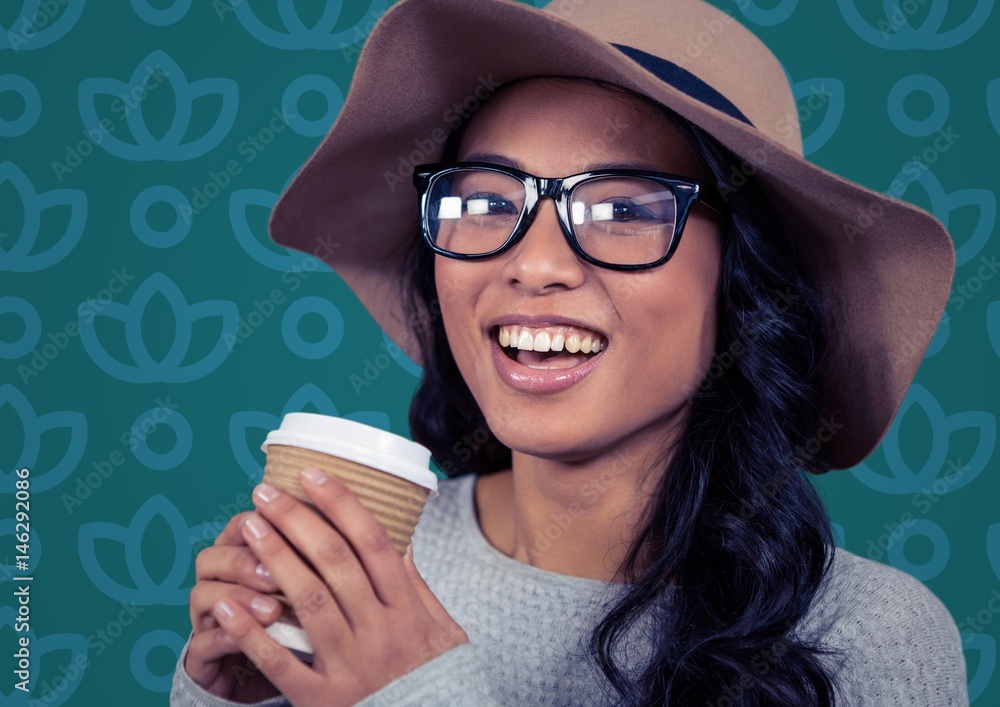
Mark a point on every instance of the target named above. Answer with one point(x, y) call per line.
point(120, 507)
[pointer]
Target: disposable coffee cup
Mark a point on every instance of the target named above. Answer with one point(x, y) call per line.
point(389, 474)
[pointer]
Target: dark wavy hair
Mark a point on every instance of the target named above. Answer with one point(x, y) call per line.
point(734, 523)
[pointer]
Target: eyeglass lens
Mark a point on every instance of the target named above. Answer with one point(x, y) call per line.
point(617, 220)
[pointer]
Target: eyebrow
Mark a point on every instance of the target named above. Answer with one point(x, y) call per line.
point(495, 158)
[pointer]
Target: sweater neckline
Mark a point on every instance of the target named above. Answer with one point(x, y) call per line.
point(482, 547)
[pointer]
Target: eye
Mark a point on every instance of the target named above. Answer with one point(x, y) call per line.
point(621, 210)
point(489, 204)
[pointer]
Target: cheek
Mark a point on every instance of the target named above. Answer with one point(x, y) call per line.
point(684, 318)
point(458, 289)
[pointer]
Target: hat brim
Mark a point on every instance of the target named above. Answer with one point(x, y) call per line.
point(884, 267)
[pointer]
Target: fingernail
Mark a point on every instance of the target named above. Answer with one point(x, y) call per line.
point(265, 492)
point(409, 551)
point(263, 605)
point(314, 476)
point(223, 611)
point(256, 526)
point(264, 576)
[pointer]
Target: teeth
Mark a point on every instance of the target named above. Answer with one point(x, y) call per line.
point(546, 340)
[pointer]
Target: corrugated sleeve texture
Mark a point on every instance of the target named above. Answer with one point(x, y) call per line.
point(528, 628)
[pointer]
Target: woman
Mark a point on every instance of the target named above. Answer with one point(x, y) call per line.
point(627, 365)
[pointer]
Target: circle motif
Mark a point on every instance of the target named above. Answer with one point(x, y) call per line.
point(290, 327)
point(32, 327)
point(149, 420)
point(293, 94)
point(32, 105)
point(139, 216)
point(913, 84)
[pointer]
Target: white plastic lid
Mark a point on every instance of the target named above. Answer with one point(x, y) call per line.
point(359, 443)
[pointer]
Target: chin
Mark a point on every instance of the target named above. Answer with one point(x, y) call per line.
point(541, 440)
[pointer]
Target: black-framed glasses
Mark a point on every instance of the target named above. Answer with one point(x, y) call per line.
point(622, 219)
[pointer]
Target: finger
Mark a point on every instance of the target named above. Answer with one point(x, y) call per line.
point(365, 533)
point(235, 564)
point(204, 596)
point(205, 650)
point(284, 670)
point(448, 632)
point(326, 548)
point(232, 534)
point(434, 607)
point(308, 594)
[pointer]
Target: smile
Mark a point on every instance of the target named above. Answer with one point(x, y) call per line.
point(545, 359)
point(573, 339)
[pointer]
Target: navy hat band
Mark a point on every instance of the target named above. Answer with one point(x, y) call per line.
point(683, 80)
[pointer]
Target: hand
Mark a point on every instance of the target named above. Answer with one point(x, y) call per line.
point(228, 570)
point(369, 615)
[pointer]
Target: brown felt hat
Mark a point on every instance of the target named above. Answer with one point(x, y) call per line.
point(883, 266)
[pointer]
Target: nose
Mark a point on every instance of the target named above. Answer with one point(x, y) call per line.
point(543, 259)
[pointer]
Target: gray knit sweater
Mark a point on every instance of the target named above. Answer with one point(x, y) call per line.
point(528, 629)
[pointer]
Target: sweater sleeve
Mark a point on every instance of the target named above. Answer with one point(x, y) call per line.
point(456, 678)
point(903, 647)
point(185, 692)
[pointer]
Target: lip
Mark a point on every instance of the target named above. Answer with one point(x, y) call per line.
point(533, 380)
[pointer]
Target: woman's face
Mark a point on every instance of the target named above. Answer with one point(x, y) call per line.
point(659, 325)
